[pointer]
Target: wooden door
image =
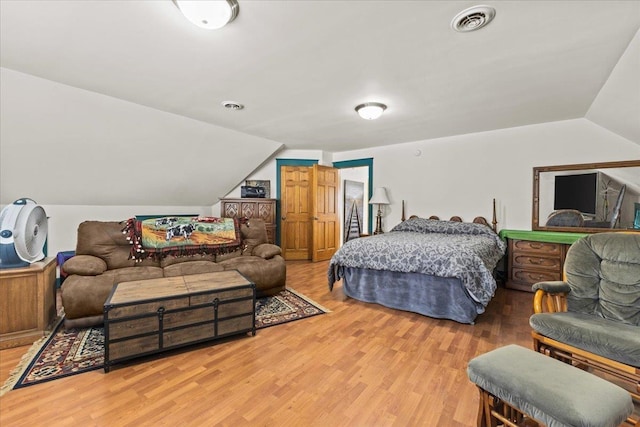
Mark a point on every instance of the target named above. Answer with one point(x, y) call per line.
point(295, 207)
point(326, 220)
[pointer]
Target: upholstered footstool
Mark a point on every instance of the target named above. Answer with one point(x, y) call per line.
point(523, 387)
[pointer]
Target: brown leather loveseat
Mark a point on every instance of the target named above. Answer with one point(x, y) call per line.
point(103, 259)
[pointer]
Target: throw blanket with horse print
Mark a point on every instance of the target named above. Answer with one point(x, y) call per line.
point(157, 238)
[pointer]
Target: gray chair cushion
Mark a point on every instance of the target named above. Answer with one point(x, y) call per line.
point(603, 271)
point(607, 338)
point(552, 392)
point(565, 218)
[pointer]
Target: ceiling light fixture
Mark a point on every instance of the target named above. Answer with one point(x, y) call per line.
point(473, 18)
point(370, 110)
point(209, 14)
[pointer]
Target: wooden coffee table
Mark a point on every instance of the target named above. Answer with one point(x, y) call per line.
point(144, 317)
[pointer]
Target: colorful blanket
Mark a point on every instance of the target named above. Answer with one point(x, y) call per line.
point(181, 236)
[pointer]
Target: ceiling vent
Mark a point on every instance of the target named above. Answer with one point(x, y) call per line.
point(232, 105)
point(473, 18)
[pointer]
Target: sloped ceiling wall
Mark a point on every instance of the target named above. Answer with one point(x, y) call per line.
point(617, 106)
point(66, 146)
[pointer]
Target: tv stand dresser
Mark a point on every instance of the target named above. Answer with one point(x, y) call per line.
point(535, 256)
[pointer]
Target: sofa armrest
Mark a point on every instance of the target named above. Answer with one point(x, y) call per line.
point(551, 296)
point(266, 250)
point(85, 265)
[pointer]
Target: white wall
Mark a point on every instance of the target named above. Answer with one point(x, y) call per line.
point(617, 106)
point(461, 175)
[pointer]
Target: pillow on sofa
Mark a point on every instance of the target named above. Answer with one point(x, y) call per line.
point(86, 265)
point(267, 250)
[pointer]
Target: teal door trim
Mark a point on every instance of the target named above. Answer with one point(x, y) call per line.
point(367, 162)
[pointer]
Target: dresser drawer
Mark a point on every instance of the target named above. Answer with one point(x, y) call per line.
point(532, 261)
point(221, 296)
point(129, 327)
point(537, 247)
point(133, 347)
point(150, 307)
point(530, 277)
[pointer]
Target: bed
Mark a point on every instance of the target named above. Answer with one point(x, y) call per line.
point(441, 269)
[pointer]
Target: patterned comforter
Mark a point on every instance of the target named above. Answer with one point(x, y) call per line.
point(466, 251)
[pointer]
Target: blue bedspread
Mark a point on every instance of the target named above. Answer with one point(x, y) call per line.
point(465, 251)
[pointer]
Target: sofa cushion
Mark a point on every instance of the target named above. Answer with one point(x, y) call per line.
point(192, 267)
point(84, 296)
point(128, 274)
point(603, 271)
point(170, 260)
point(86, 265)
point(266, 274)
point(607, 338)
point(267, 250)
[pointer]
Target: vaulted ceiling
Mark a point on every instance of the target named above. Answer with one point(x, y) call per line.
point(300, 67)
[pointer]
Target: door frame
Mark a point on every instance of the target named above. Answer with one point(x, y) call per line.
point(368, 163)
point(364, 162)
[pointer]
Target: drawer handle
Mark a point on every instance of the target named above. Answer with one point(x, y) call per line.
point(536, 261)
point(536, 245)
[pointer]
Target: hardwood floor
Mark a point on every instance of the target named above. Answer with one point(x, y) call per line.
point(360, 365)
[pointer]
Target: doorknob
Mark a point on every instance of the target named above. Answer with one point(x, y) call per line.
point(315, 218)
point(284, 218)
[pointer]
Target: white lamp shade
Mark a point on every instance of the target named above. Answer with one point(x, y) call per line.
point(209, 14)
point(379, 197)
point(370, 110)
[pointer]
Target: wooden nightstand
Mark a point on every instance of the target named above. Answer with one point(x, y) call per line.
point(27, 302)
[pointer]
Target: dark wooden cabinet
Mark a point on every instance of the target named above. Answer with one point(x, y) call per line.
point(252, 208)
point(530, 262)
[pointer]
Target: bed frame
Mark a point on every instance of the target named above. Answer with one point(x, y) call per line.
point(477, 220)
point(436, 297)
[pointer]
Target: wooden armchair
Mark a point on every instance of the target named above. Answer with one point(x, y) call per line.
point(592, 319)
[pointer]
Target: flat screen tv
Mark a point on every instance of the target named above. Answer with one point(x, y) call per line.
point(576, 192)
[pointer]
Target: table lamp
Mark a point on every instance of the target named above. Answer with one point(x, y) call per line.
point(379, 198)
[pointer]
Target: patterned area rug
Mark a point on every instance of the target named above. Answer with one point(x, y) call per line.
point(70, 352)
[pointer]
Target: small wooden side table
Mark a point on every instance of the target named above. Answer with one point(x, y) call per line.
point(27, 302)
